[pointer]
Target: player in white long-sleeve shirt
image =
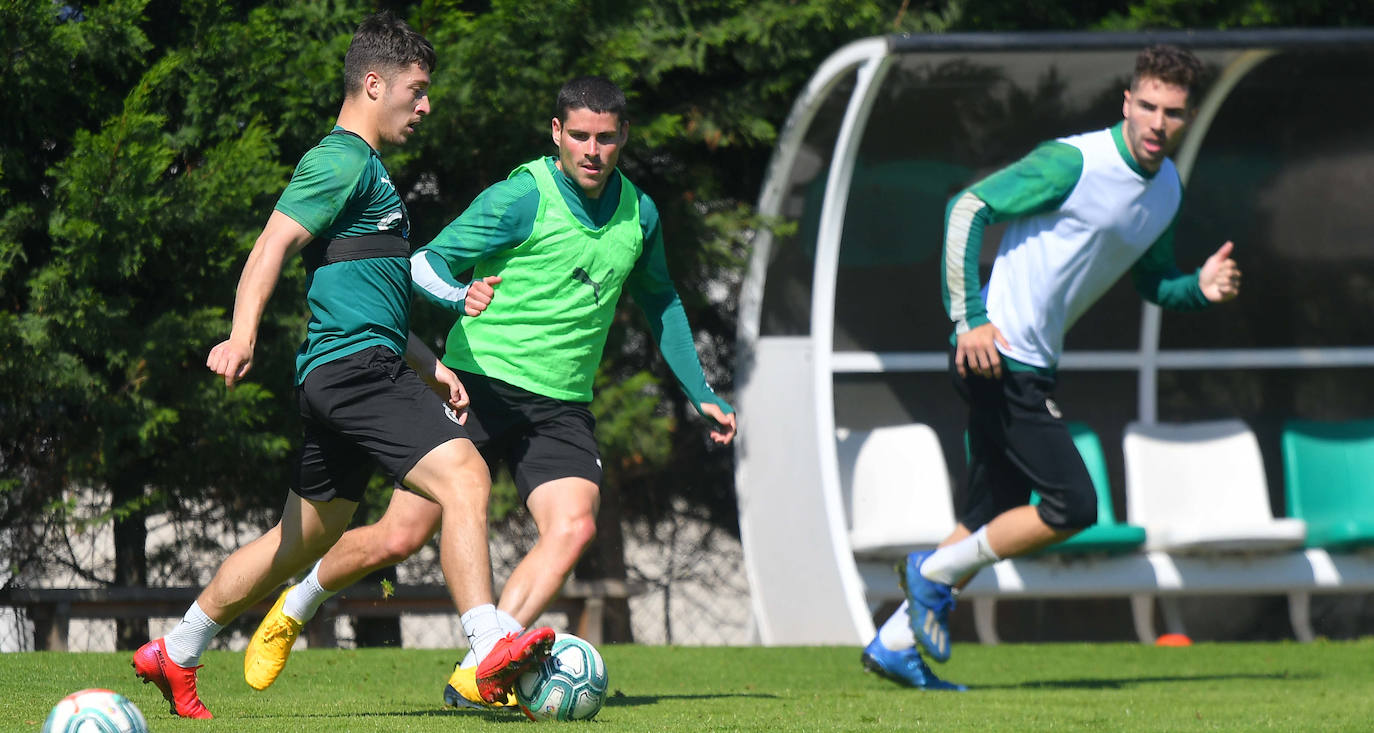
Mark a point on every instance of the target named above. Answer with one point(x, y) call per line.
point(1082, 210)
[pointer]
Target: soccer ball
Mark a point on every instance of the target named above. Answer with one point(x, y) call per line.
point(569, 685)
point(95, 711)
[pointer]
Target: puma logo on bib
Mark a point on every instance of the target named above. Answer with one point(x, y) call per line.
point(581, 276)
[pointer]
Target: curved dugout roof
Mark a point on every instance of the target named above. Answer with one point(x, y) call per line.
point(841, 324)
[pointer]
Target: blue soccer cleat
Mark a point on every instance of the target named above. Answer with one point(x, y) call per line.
point(929, 604)
point(904, 667)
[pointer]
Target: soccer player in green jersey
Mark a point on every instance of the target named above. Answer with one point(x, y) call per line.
point(1081, 211)
point(565, 233)
point(360, 401)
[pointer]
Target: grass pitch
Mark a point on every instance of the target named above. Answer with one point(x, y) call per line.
point(1326, 686)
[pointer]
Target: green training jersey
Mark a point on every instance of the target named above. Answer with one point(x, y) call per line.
point(357, 266)
point(501, 223)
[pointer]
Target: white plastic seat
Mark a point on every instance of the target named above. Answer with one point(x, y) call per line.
point(897, 489)
point(1201, 487)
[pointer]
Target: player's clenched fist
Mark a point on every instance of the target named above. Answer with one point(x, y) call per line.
point(479, 296)
point(231, 360)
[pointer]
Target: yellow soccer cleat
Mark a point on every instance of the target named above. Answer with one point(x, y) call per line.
point(270, 646)
point(461, 692)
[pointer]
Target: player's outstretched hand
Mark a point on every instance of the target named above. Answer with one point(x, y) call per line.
point(1219, 278)
point(231, 360)
point(479, 295)
point(975, 351)
point(724, 432)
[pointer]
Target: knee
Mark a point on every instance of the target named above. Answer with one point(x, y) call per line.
point(575, 533)
point(397, 545)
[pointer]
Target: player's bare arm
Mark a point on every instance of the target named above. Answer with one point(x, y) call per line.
point(1219, 278)
point(283, 237)
point(440, 378)
point(975, 350)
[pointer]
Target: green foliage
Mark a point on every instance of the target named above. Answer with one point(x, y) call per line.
point(1238, 14)
point(143, 145)
point(118, 258)
point(1125, 15)
point(633, 439)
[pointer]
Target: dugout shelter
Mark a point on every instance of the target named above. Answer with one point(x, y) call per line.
point(841, 326)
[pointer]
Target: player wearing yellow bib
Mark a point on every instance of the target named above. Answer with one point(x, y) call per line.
point(1081, 211)
point(562, 235)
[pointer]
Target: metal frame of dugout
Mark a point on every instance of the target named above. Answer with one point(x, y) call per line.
point(800, 344)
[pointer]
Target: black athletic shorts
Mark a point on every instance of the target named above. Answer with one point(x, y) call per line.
point(1017, 442)
point(363, 408)
point(539, 438)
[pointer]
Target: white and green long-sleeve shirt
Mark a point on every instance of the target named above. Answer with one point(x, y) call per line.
point(1081, 213)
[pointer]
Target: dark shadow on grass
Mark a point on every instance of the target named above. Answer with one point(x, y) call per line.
point(512, 715)
point(1123, 682)
point(620, 700)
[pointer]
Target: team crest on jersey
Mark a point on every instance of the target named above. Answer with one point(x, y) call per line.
point(1053, 409)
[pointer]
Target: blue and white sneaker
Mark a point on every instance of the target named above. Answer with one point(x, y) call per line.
point(906, 668)
point(929, 604)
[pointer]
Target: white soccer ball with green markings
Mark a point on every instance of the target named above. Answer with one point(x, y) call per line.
point(569, 685)
point(95, 711)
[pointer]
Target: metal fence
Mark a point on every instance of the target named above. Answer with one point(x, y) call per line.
point(691, 574)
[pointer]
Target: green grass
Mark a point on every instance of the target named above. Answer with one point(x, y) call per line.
point(1325, 686)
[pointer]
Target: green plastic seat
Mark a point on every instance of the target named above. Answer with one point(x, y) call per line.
point(1107, 535)
point(1328, 470)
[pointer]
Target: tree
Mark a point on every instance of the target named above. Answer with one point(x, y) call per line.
point(143, 145)
point(131, 252)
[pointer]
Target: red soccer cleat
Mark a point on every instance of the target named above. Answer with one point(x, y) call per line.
point(177, 683)
point(509, 659)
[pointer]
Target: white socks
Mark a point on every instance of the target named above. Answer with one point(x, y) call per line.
point(896, 633)
point(305, 597)
point(953, 563)
point(948, 565)
point(483, 628)
point(190, 638)
point(508, 626)
point(508, 623)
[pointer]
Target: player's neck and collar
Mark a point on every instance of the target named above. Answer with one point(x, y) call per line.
point(609, 189)
point(1119, 137)
point(356, 122)
point(599, 209)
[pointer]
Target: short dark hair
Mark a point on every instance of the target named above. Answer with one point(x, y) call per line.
point(1169, 64)
point(385, 44)
point(596, 93)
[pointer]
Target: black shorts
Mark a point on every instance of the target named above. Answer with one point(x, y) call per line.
point(1017, 441)
point(539, 438)
point(365, 407)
